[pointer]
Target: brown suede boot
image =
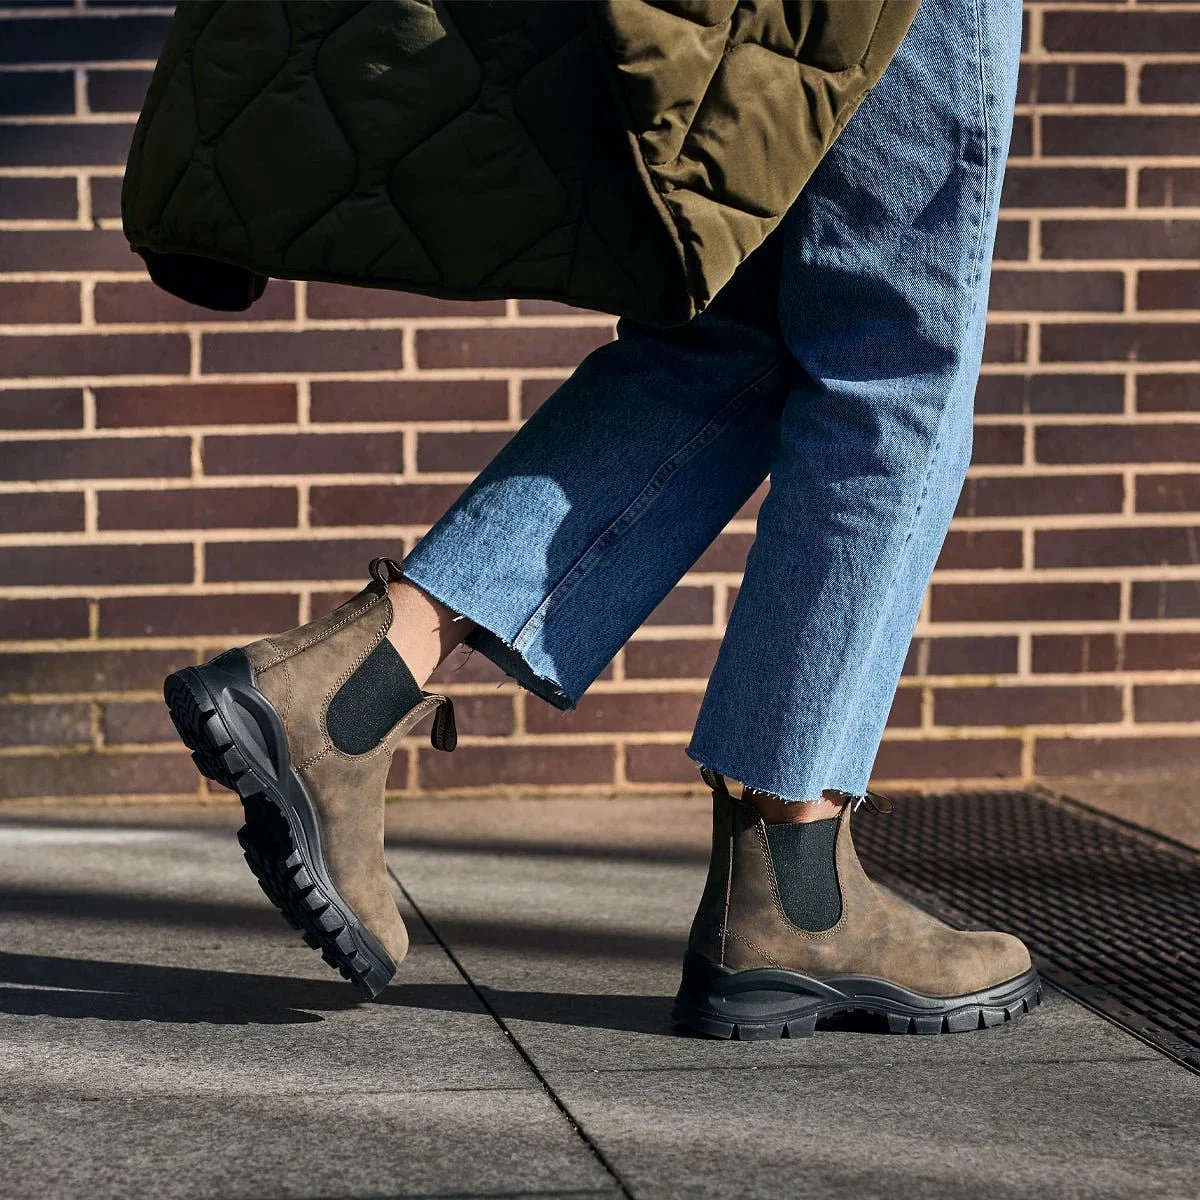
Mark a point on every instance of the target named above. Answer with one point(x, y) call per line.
point(303, 726)
point(782, 940)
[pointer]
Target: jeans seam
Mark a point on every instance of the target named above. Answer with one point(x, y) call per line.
point(708, 432)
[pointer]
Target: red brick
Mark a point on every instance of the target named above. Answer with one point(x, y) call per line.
point(199, 508)
point(749, 510)
point(196, 404)
point(660, 764)
point(331, 301)
point(117, 91)
point(1121, 239)
point(905, 712)
point(233, 616)
point(409, 400)
point(1012, 241)
point(551, 308)
point(82, 38)
point(961, 656)
point(25, 620)
point(619, 712)
point(671, 658)
point(727, 552)
point(1021, 495)
point(24, 199)
point(1171, 702)
point(74, 566)
point(1125, 442)
point(1126, 546)
point(137, 722)
point(1168, 289)
point(1071, 83)
point(1025, 601)
point(684, 605)
point(1016, 706)
point(1006, 343)
point(41, 408)
point(143, 302)
point(1116, 756)
point(77, 250)
point(468, 453)
point(304, 453)
point(97, 775)
point(48, 672)
point(96, 143)
point(1167, 187)
point(1168, 493)
point(1162, 341)
point(535, 392)
point(1045, 393)
point(39, 304)
point(1158, 599)
point(1068, 653)
point(979, 550)
point(309, 350)
point(1127, 133)
point(1169, 83)
point(1050, 291)
point(521, 346)
point(1168, 393)
point(309, 558)
point(68, 724)
point(485, 716)
point(1021, 144)
point(1162, 652)
point(381, 504)
point(40, 512)
point(58, 355)
point(960, 758)
point(998, 445)
point(1122, 32)
point(36, 94)
point(96, 458)
point(106, 196)
point(515, 765)
point(1064, 187)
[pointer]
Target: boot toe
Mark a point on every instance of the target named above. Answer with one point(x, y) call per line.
point(1004, 958)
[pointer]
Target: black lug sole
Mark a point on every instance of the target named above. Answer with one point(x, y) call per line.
point(773, 1003)
point(238, 741)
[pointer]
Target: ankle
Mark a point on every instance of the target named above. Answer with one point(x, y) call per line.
point(423, 631)
point(776, 811)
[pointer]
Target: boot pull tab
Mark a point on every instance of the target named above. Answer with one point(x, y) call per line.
point(444, 734)
point(715, 780)
point(385, 570)
point(876, 801)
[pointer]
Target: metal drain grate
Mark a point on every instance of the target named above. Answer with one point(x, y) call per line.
point(1111, 913)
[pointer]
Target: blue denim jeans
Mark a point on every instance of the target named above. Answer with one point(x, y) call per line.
point(841, 360)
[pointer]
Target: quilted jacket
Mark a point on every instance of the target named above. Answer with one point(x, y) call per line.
point(619, 155)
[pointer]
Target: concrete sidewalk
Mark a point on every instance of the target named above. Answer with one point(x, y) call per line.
point(162, 1034)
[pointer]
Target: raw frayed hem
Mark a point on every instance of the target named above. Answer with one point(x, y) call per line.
point(852, 798)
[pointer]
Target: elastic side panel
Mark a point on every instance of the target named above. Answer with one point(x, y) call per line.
point(371, 701)
point(806, 871)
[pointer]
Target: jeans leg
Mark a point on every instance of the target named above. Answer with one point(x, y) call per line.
point(608, 494)
point(883, 296)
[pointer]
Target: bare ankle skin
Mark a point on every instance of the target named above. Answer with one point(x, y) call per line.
point(424, 630)
point(775, 811)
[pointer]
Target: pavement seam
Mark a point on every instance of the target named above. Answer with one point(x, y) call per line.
point(490, 1009)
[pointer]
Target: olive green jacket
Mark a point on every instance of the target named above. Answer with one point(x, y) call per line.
point(619, 155)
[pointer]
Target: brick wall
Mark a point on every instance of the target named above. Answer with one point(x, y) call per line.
point(172, 480)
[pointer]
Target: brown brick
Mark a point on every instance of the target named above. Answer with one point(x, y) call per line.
point(1168, 393)
point(1019, 495)
point(1046, 393)
point(83, 38)
point(79, 250)
point(106, 196)
point(137, 722)
point(551, 308)
point(997, 445)
point(980, 550)
point(67, 724)
point(500, 766)
point(309, 350)
point(36, 94)
point(96, 143)
point(231, 616)
point(660, 764)
point(1021, 145)
point(1012, 241)
point(97, 775)
point(331, 301)
point(1125, 442)
point(1064, 187)
point(1015, 706)
point(22, 620)
point(1125, 546)
point(1168, 187)
point(619, 712)
point(41, 408)
point(1168, 289)
point(1171, 702)
point(410, 400)
point(39, 304)
point(1121, 239)
point(40, 512)
point(462, 452)
point(1169, 83)
point(727, 552)
point(1116, 756)
point(1025, 602)
point(1050, 291)
point(1006, 343)
point(486, 716)
point(905, 712)
point(1156, 599)
point(1055, 653)
point(1133, 342)
point(961, 656)
point(1071, 83)
point(535, 392)
point(523, 346)
point(141, 301)
point(96, 458)
point(199, 508)
point(382, 504)
point(117, 91)
point(304, 453)
point(684, 605)
point(681, 658)
point(43, 566)
point(31, 355)
point(960, 758)
point(1168, 493)
point(1162, 652)
point(196, 404)
point(23, 199)
point(1123, 133)
point(310, 558)
point(48, 672)
point(749, 510)
point(1122, 32)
